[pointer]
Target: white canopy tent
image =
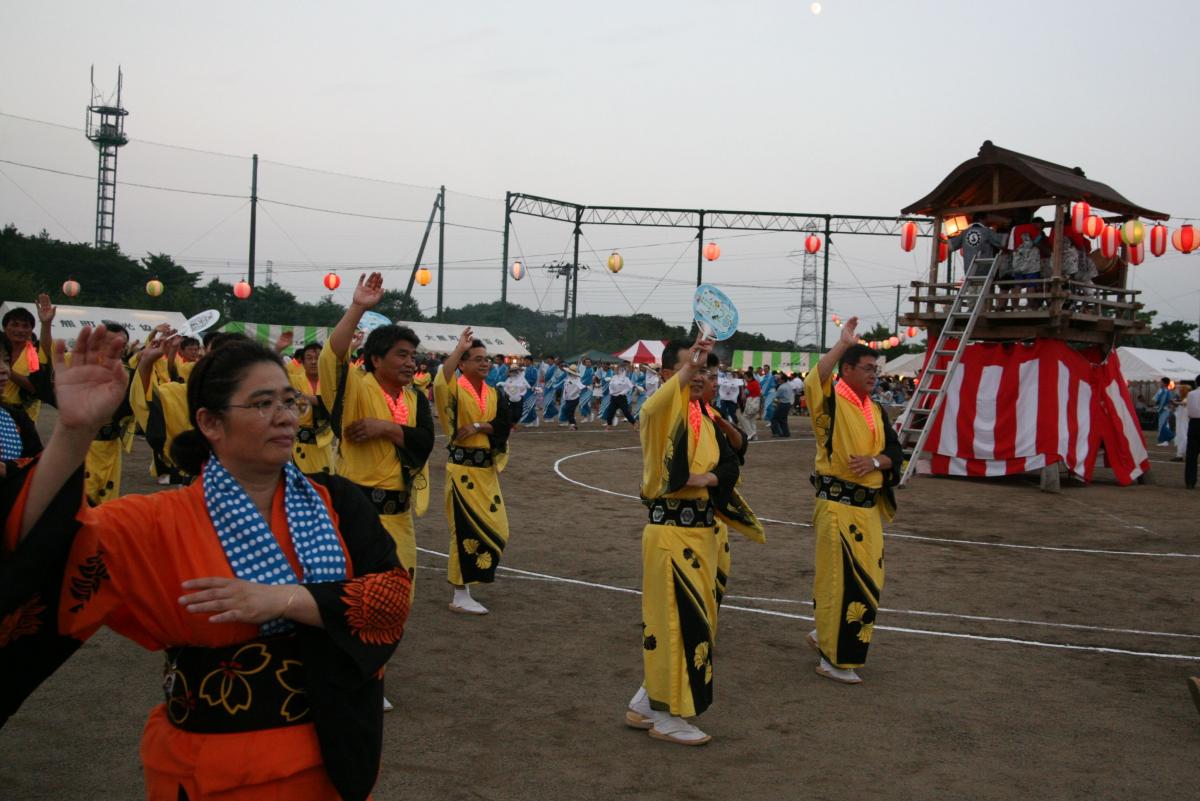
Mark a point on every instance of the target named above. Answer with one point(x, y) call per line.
point(905, 366)
point(435, 337)
point(69, 320)
point(1145, 364)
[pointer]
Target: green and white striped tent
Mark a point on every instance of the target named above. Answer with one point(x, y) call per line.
point(268, 334)
point(790, 361)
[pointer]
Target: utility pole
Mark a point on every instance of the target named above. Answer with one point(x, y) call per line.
point(700, 252)
point(441, 248)
point(504, 254)
point(253, 218)
point(897, 328)
point(573, 278)
point(825, 286)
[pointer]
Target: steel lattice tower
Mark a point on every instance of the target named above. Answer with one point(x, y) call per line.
point(808, 317)
point(106, 130)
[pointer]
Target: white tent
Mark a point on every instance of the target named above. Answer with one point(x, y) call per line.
point(435, 337)
point(905, 366)
point(1144, 364)
point(70, 319)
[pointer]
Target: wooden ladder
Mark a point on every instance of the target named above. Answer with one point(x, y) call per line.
point(919, 415)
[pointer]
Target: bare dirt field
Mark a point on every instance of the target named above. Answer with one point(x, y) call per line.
point(1031, 646)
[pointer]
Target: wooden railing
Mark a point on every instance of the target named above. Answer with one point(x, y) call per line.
point(1036, 299)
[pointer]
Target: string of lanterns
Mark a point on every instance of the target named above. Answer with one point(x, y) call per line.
point(1131, 233)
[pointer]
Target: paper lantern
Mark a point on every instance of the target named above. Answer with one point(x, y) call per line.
point(893, 341)
point(1079, 214)
point(424, 276)
point(1110, 241)
point(1092, 227)
point(332, 281)
point(712, 251)
point(70, 288)
point(1133, 232)
point(1136, 253)
point(836, 320)
point(912, 331)
point(956, 225)
point(154, 287)
point(812, 243)
point(1158, 239)
point(518, 271)
point(241, 290)
point(1186, 239)
point(943, 249)
point(908, 236)
point(615, 262)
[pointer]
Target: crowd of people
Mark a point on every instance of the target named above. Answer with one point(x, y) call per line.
point(278, 576)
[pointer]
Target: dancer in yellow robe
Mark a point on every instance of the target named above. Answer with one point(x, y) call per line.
point(689, 478)
point(858, 462)
point(313, 452)
point(385, 426)
point(477, 426)
point(27, 380)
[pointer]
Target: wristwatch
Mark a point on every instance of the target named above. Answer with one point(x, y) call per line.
point(875, 462)
point(476, 425)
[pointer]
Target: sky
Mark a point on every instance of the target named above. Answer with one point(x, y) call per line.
point(366, 108)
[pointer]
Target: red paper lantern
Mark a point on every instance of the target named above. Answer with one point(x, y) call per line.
point(154, 287)
point(943, 249)
point(1186, 239)
point(1158, 239)
point(712, 251)
point(1079, 214)
point(1110, 241)
point(893, 341)
point(912, 331)
point(908, 236)
point(423, 276)
point(241, 290)
point(70, 288)
point(332, 281)
point(1092, 227)
point(812, 243)
point(1137, 253)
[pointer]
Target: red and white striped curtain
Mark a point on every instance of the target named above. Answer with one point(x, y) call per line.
point(1015, 407)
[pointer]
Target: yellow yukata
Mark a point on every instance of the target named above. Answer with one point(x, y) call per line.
point(313, 452)
point(848, 522)
point(102, 466)
point(13, 395)
point(681, 548)
point(162, 413)
point(394, 479)
point(475, 510)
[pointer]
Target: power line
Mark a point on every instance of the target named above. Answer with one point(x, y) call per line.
point(124, 183)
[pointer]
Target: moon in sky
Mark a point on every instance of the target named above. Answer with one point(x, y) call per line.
point(816, 8)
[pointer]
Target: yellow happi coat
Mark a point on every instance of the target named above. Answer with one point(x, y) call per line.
point(475, 511)
point(378, 463)
point(313, 452)
point(681, 564)
point(161, 411)
point(849, 538)
point(13, 395)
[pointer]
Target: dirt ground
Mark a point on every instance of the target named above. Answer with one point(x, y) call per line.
point(1053, 671)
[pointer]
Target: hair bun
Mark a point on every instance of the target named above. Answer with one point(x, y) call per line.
point(190, 450)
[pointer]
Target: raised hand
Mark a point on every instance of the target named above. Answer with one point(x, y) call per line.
point(849, 335)
point(285, 341)
point(701, 348)
point(464, 341)
point(93, 386)
point(369, 291)
point(45, 311)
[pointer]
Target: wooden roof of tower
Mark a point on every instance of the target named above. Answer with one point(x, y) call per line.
point(1000, 178)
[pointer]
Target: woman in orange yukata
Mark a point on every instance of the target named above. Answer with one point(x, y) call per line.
point(278, 598)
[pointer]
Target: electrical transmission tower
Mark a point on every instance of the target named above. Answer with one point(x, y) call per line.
point(106, 130)
point(808, 315)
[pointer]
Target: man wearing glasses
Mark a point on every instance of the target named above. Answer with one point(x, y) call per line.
point(858, 462)
point(385, 424)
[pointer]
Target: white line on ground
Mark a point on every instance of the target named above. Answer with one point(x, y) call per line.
point(890, 534)
point(900, 629)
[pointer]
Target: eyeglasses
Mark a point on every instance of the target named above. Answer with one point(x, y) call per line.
point(478, 359)
point(869, 369)
point(705, 373)
point(294, 405)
